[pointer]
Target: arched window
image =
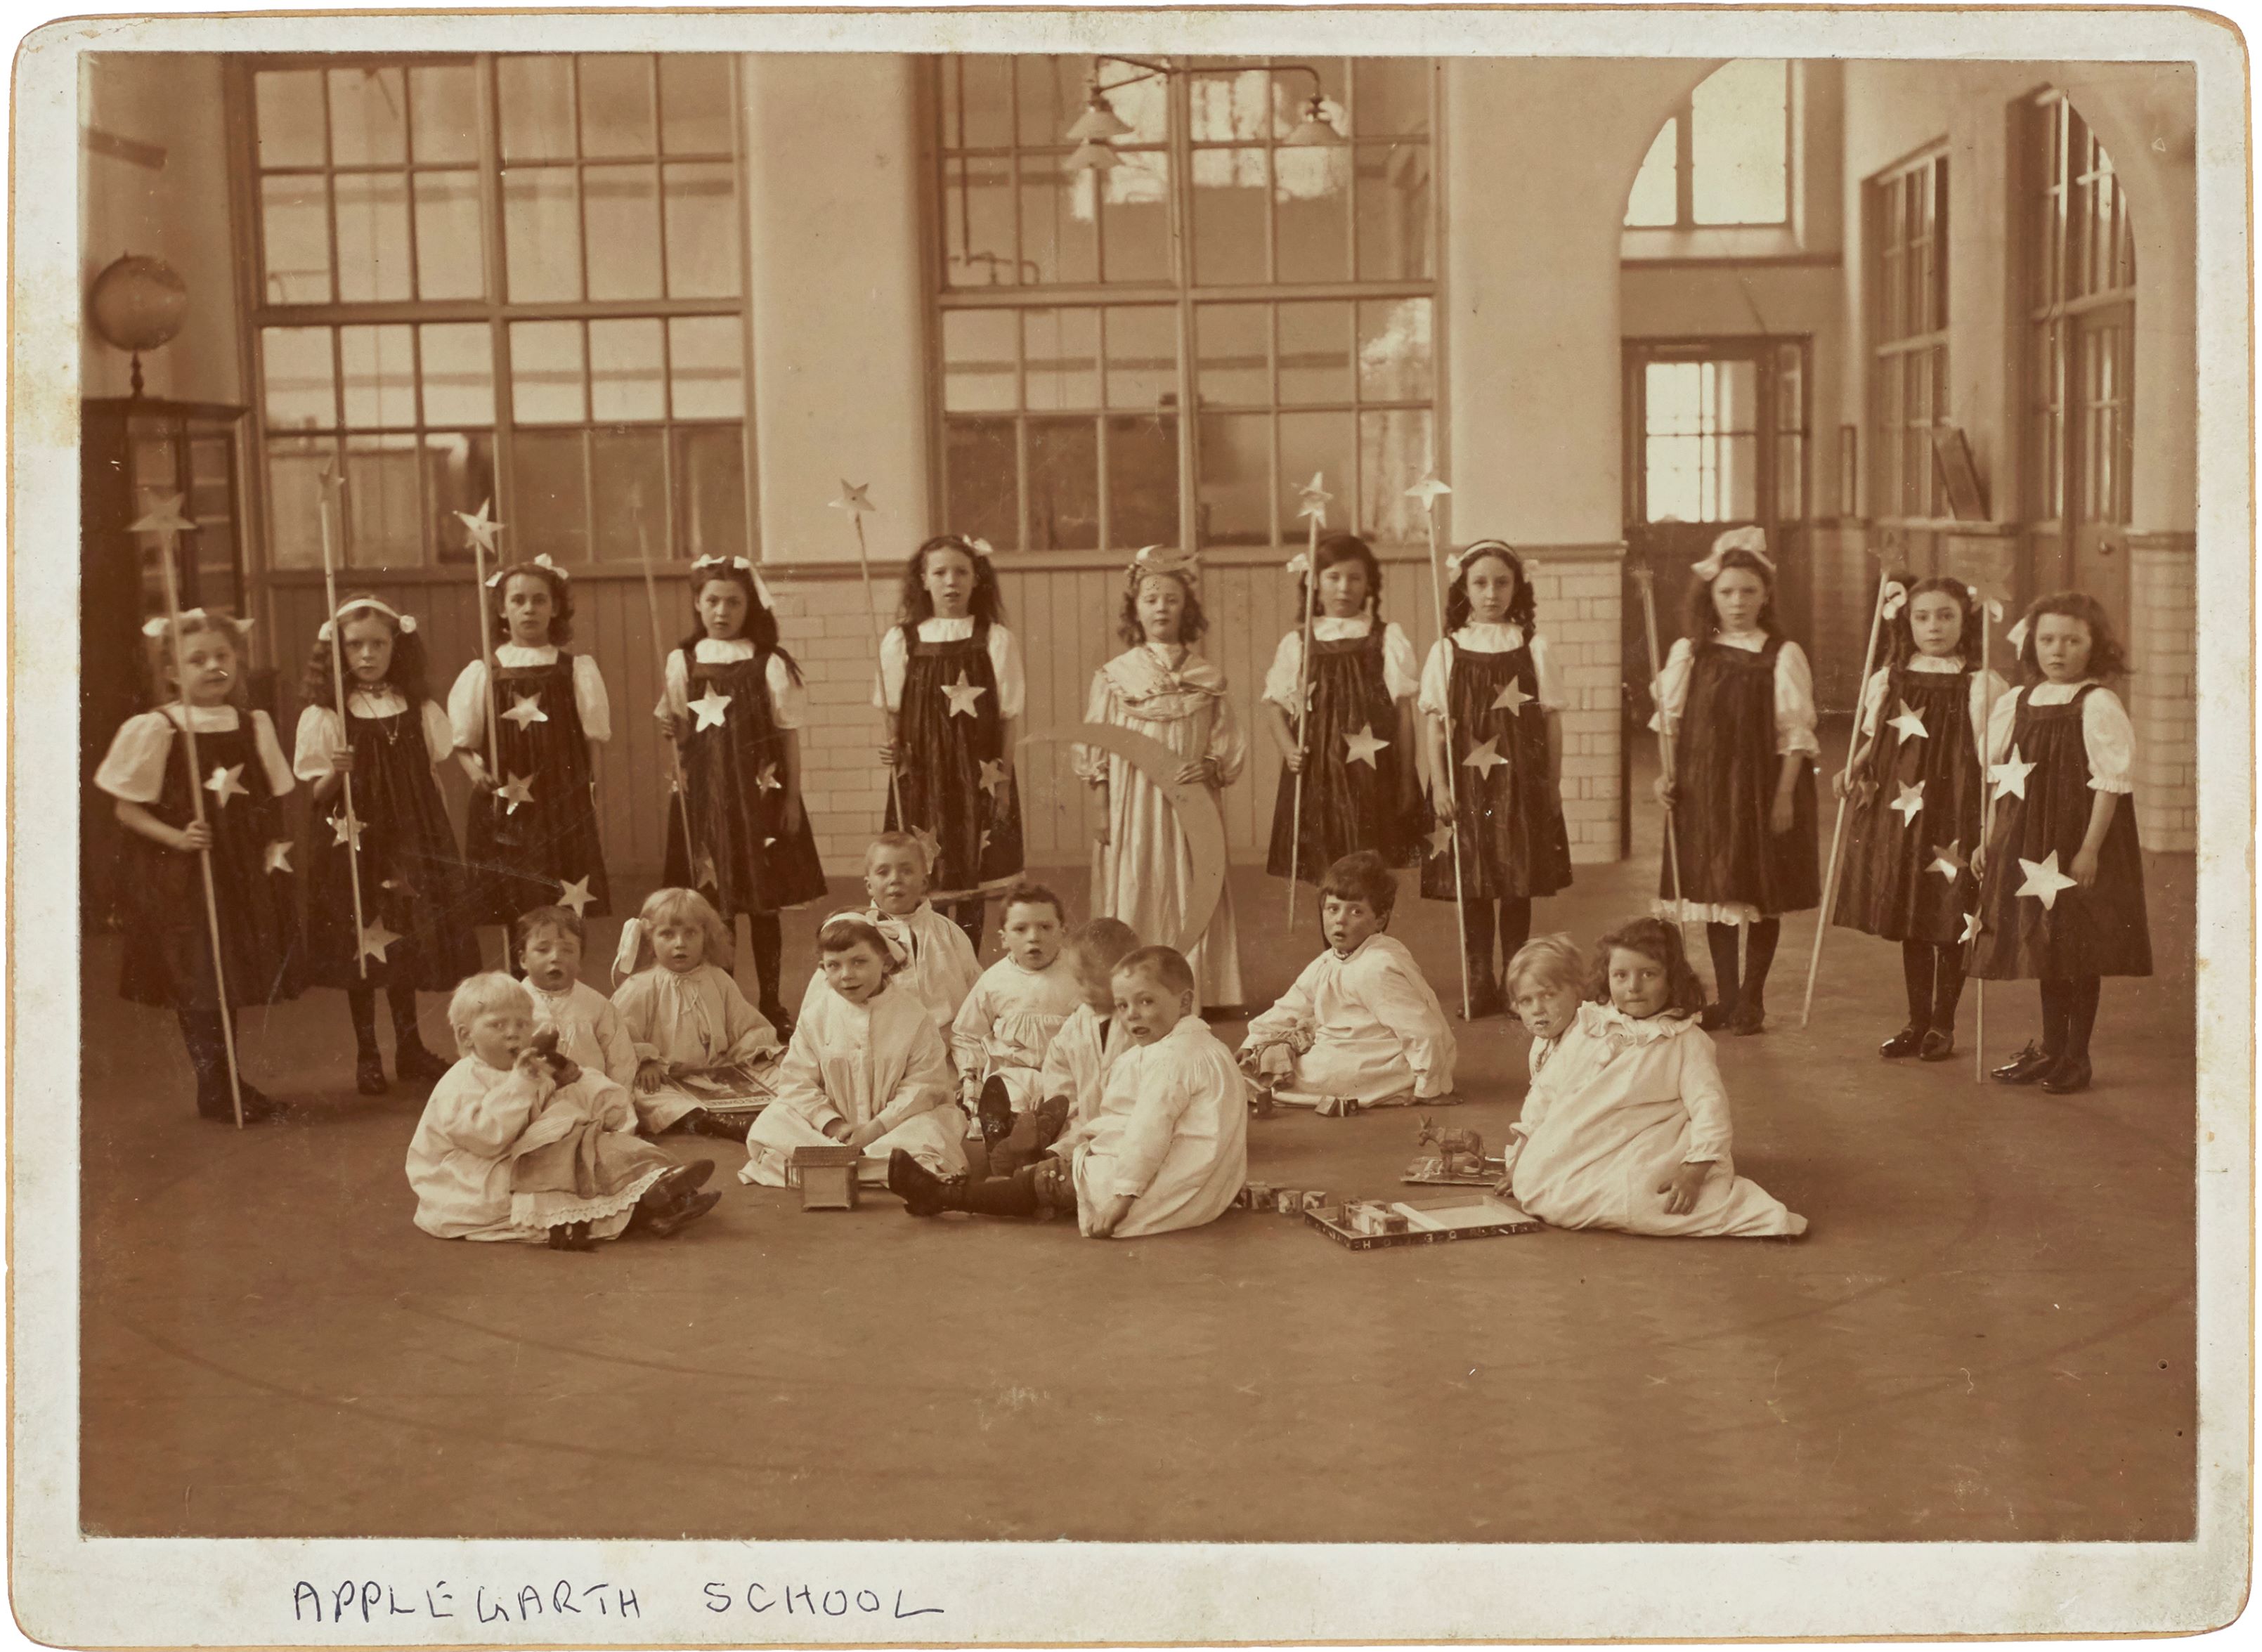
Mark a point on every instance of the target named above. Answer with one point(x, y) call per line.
point(1724, 156)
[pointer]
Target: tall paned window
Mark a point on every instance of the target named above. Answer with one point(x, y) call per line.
point(1722, 158)
point(2080, 313)
point(511, 277)
point(1907, 211)
point(1160, 350)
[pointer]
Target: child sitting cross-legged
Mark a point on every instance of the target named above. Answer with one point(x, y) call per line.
point(683, 1007)
point(865, 1068)
point(519, 1142)
point(1626, 1124)
point(1169, 1148)
point(1006, 1025)
point(1545, 983)
point(1076, 1066)
point(1360, 1027)
point(940, 966)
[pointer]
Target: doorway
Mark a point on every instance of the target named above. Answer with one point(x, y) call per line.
point(1716, 437)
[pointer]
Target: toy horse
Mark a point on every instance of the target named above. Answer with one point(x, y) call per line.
point(1459, 1152)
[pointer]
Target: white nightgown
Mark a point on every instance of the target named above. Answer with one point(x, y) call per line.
point(590, 1033)
point(1008, 1022)
point(880, 1059)
point(477, 1122)
point(1172, 1131)
point(1076, 1066)
point(942, 967)
point(698, 1018)
point(1367, 1026)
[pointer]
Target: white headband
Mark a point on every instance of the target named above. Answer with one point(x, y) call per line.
point(891, 932)
point(156, 625)
point(1749, 539)
point(1458, 560)
point(542, 561)
point(762, 586)
point(360, 604)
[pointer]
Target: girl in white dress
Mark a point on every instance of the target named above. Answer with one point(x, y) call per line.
point(1627, 1125)
point(865, 1068)
point(684, 1009)
point(1143, 871)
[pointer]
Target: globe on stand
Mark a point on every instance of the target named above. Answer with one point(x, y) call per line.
point(137, 304)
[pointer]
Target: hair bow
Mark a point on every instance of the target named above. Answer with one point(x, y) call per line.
point(1180, 564)
point(360, 604)
point(980, 546)
point(157, 625)
point(1895, 598)
point(1753, 540)
point(625, 956)
point(2017, 637)
point(542, 562)
point(1984, 603)
point(893, 932)
point(1456, 560)
point(761, 586)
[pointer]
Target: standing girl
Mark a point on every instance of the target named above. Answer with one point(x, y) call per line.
point(168, 949)
point(1740, 698)
point(734, 705)
point(412, 898)
point(2061, 895)
point(1491, 682)
point(952, 686)
point(1916, 784)
point(1354, 748)
point(533, 836)
point(1143, 872)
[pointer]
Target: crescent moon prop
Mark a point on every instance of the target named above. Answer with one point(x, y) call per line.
point(1196, 808)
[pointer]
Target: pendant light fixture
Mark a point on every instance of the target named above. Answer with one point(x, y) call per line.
point(1096, 129)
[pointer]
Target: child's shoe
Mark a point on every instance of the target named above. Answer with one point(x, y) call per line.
point(1748, 1017)
point(413, 1063)
point(2071, 1074)
point(2029, 1065)
point(677, 1186)
point(1485, 1000)
point(993, 1111)
point(700, 1122)
point(369, 1073)
point(923, 1193)
point(1908, 1041)
point(571, 1236)
point(1713, 1017)
point(774, 1012)
point(675, 1218)
point(1939, 1045)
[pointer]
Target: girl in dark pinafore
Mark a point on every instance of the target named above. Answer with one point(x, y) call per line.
point(1739, 698)
point(242, 774)
point(1915, 784)
point(952, 685)
point(415, 909)
point(1356, 753)
point(734, 705)
point(533, 834)
point(1492, 676)
point(2061, 889)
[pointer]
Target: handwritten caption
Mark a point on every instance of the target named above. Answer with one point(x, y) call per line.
point(364, 1600)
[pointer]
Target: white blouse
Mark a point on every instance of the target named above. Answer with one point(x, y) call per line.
point(134, 770)
point(1794, 690)
point(2107, 735)
point(1987, 689)
point(1004, 662)
point(1438, 670)
point(319, 734)
point(467, 713)
point(788, 699)
point(1399, 670)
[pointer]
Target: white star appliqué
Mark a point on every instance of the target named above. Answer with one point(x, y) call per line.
point(1909, 724)
point(349, 830)
point(768, 780)
point(709, 708)
point(228, 783)
point(1970, 928)
point(525, 709)
point(517, 790)
point(575, 894)
point(1364, 746)
point(1947, 860)
point(1910, 804)
point(1441, 838)
point(278, 857)
point(2044, 882)
point(2011, 775)
point(1485, 758)
point(993, 775)
point(374, 939)
point(961, 696)
point(1511, 699)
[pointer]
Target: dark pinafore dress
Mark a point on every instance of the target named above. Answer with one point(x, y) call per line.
point(526, 855)
point(1726, 781)
point(413, 883)
point(168, 941)
point(2101, 930)
point(1892, 885)
point(746, 858)
point(975, 819)
point(1368, 803)
point(1513, 844)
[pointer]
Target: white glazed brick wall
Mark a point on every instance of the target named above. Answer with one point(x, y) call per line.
point(1578, 598)
point(2164, 693)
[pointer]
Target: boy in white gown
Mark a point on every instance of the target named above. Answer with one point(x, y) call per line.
point(589, 1030)
point(865, 1067)
point(1006, 1025)
point(1076, 1067)
point(940, 966)
point(1361, 1026)
point(1169, 1148)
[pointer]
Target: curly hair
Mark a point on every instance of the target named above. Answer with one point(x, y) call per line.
point(561, 601)
point(407, 675)
point(1345, 547)
point(2106, 659)
point(159, 656)
point(760, 628)
point(1361, 875)
point(1522, 608)
point(1658, 942)
point(1699, 619)
point(1030, 892)
point(682, 903)
point(1193, 624)
point(1900, 633)
point(987, 605)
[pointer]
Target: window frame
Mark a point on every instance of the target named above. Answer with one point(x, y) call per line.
point(1683, 121)
point(1894, 345)
point(1185, 297)
point(256, 312)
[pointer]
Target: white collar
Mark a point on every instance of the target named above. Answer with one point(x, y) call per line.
point(935, 628)
point(1490, 637)
point(2046, 693)
point(385, 699)
point(206, 719)
point(512, 655)
point(1936, 665)
point(721, 651)
point(1607, 1020)
point(1750, 641)
point(1327, 628)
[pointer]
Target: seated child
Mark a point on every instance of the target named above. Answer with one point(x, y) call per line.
point(1360, 1028)
point(940, 967)
point(1171, 1147)
point(589, 1030)
point(1076, 1067)
point(684, 1010)
point(1546, 982)
point(1627, 1125)
point(507, 1100)
point(1006, 1025)
point(865, 1067)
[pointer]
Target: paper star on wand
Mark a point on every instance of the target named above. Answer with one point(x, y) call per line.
point(517, 790)
point(1315, 499)
point(575, 894)
point(164, 517)
point(1970, 928)
point(374, 939)
point(855, 498)
point(481, 527)
point(1427, 490)
point(1441, 838)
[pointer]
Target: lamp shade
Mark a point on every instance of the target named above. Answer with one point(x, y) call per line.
point(1093, 155)
point(138, 303)
point(1314, 131)
point(1098, 121)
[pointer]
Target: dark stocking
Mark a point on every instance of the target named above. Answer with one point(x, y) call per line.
point(207, 1044)
point(1721, 941)
point(1759, 957)
point(2056, 1006)
point(401, 998)
point(968, 916)
point(361, 1004)
point(2081, 994)
point(1947, 986)
point(766, 936)
point(1515, 926)
point(1014, 1195)
point(1916, 976)
point(1477, 915)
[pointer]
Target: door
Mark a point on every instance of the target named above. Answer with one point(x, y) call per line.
point(2097, 468)
point(1716, 438)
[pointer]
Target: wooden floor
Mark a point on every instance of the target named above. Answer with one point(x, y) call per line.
point(1988, 1333)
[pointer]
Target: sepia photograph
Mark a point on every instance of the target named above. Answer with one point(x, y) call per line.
point(1308, 802)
